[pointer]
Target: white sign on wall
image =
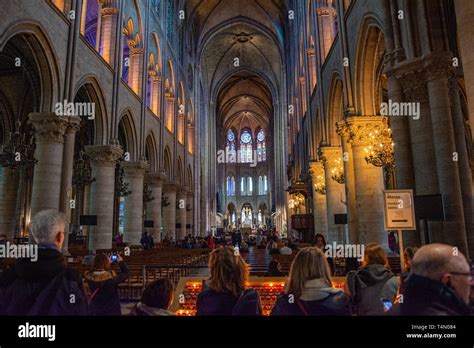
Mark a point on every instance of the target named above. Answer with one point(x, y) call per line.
point(399, 210)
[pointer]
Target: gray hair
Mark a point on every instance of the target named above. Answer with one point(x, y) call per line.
point(43, 223)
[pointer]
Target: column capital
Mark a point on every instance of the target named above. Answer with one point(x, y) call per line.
point(109, 11)
point(361, 130)
point(438, 68)
point(135, 169)
point(156, 179)
point(49, 127)
point(315, 169)
point(74, 124)
point(170, 186)
point(329, 154)
point(104, 155)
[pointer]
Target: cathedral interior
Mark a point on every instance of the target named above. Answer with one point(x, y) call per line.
point(200, 117)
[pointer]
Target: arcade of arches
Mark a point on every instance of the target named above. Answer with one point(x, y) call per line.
point(197, 116)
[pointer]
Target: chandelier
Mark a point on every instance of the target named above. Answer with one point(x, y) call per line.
point(319, 185)
point(295, 201)
point(17, 153)
point(121, 187)
point(147, 193)
point(338, 172)
point(380, 152)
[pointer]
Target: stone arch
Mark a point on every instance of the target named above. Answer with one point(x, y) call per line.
point(127, 129)
point(151, 151)
point(369, 66)
point(43, 57)
point(95, 94)
point(335, 109)
point(167, 164)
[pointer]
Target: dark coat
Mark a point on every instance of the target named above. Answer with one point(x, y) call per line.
point(423, 296)
point(210, 302)
point(43, 287)
point(317, 299)
point(369, 286)
point(104, 290)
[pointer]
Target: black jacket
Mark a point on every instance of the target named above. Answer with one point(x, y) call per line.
point(103, 286)
point(423, 296)
point(210, 302)
point(43, 287)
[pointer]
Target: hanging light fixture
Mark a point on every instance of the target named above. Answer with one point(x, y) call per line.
point(17, 153)
point(338, 172)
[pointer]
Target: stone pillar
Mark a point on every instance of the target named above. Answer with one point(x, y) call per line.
point(349, 178)
point(136, 68)
point(109, 16)
point(133, 205)
point(368, 179)
point(335, 192)
point(155, 185)
point(169, 211)
point(190, 214)
point(103, 162)
point(319, 199)
point(169, 118)
point(181, 214)
point(8, 197)
point(454, 229)
point(66, 183)
point(49, 137)
point(312, 67)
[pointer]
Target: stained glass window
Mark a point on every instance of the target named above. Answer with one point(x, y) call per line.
point(261, 146)
point(230, 186)
point(246, 147)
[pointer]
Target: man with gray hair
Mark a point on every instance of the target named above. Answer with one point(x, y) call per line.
point(47, 286)
point(439, 283)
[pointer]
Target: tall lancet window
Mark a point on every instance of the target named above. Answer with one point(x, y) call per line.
point(230, 186)
point(230, 144)
point(261, 146)
point(246, 147)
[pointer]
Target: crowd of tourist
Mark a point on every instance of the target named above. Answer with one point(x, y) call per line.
point(434, 281)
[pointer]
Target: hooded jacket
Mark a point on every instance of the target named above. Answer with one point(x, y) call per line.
point(369, 286)
point(103, 286)
point(141, 309)
point(317, 298)
point(424, 296)
point(42, 287)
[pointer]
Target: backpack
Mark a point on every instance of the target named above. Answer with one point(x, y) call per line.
point(61, 296)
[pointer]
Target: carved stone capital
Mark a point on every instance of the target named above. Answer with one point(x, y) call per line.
point(49, 127)
point(360, 129)
point(156, 179)
point(438, 69)
point(170, 186)
point(330, 154)
point(74, 125)
point(316, 169)
point(104, 155)
point(135, 170)
point(414, 85)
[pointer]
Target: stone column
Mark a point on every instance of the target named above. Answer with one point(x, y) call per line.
point(349, 178)
point(155, 185)
point(190, 214)
point(181, 202)
point(312, 67)
point(368, 179)
point(66, 183)
point(335, 192)
point(49, 137)
point(133, 205)
point(103, 162)
point(169, 211)
point(8, 197)
point(109, 15)
point(136, 68)
point(454, 229)
point(319, 199)
point(169, 112)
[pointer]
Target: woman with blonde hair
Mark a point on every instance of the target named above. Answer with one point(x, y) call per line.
point(372, 287)
point(224, 292)
point(309, 289)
